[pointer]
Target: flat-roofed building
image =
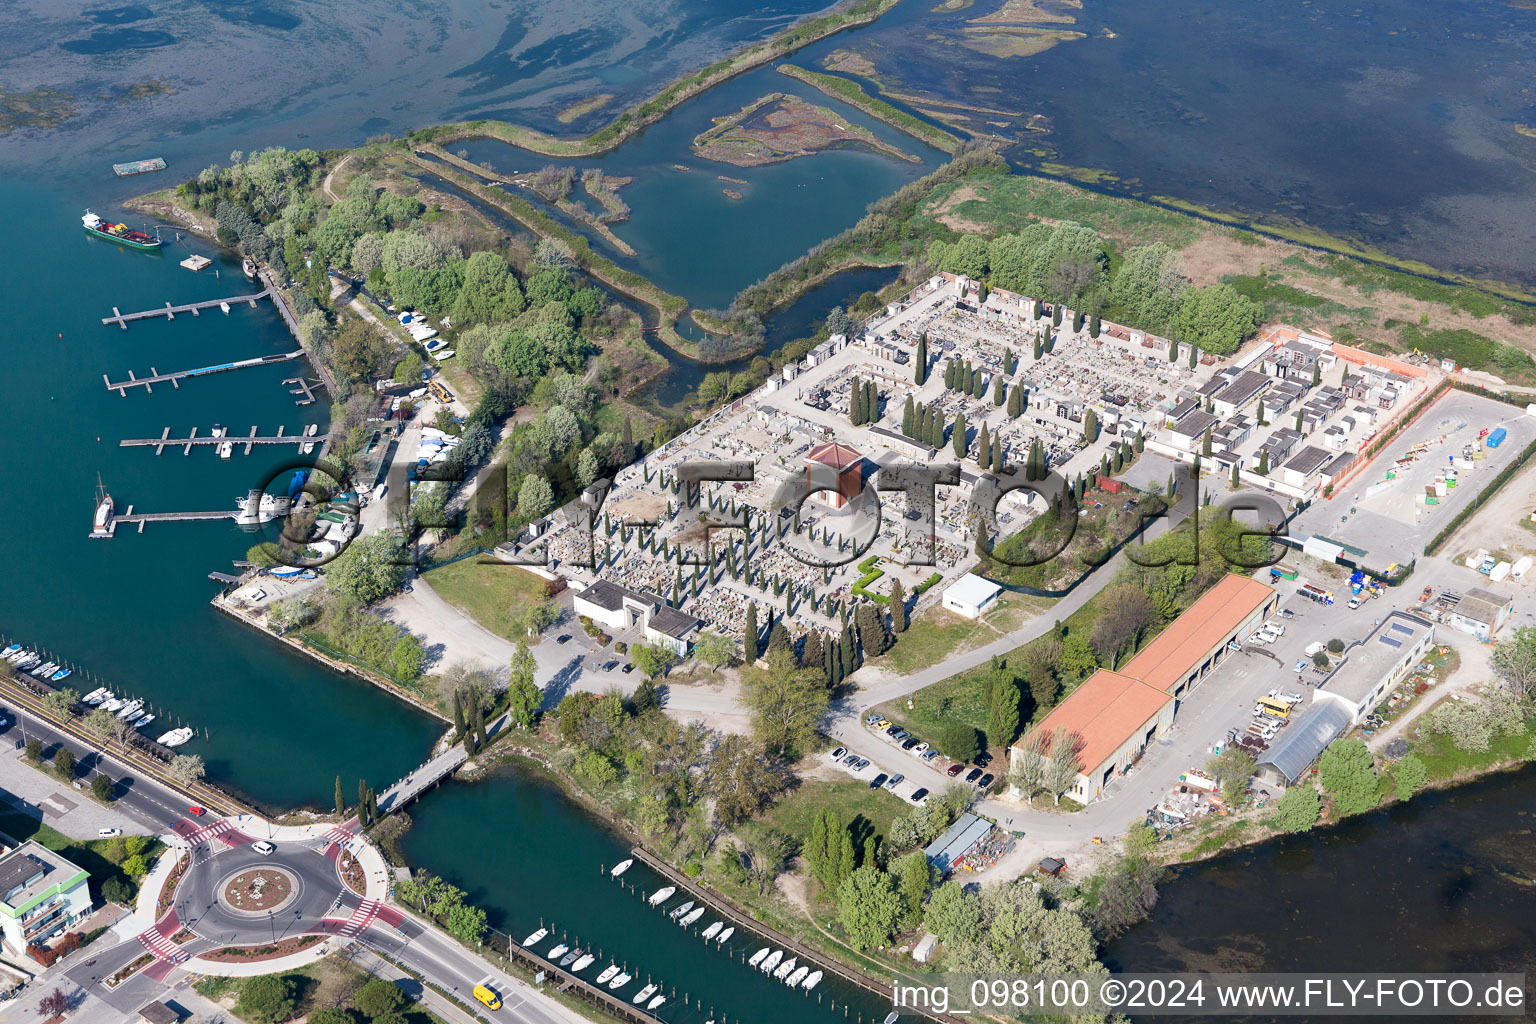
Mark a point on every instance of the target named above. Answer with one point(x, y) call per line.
point(1197, 641)
point(41, 895)
point(1303, 467)
point(1111, 718)
point(1372, 666)
point(1480, 612)
point(1237, 395)
point(970, 596)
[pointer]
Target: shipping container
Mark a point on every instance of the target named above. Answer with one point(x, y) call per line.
point(1497, 437)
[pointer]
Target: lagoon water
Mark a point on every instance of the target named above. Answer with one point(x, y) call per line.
point(1396, 126)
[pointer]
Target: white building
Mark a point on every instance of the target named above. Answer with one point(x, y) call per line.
point(619, 608)
point(1374, 665)
point(41, 895)
point(970, 596)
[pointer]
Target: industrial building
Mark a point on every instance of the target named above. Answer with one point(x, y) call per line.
point(1480, 612)
point(1200, 639)
point(1372, 666)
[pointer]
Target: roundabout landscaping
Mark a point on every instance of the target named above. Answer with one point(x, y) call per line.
point(259, 891)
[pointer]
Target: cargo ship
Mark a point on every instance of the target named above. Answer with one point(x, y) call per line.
point(118, 232)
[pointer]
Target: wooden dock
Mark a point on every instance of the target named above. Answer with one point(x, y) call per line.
point(175, 379)
point(165, 440)
point(169, 311)
point(131, 517)
point(306, 393)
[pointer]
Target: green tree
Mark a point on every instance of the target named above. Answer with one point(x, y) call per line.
point(1003, 701)
point(898, 603)
point(1216, 318)
point(1409, 775)
point(868, 906)
point(341, 798)
point(786, 704)
point(1514, 660)
point(101, 787)
point(715, 649)
point(920, 364)
point(653, 659)
point(535, 498)
point(1347, 774)
point(267, 998)
point(1299, 809)
point(914, 877)
point(954, 916)
point(1233, 767)
point(749, 633)
point(378, 996)
point(959, 440)
point(959, 741)
point(523, 694)
point(64, 764)
point(1091, 426)
point(368, 569)
point(35, 750)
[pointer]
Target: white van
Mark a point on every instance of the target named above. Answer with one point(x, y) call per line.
point(264, 848)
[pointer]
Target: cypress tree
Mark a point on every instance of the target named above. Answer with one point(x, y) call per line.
point(898, 607)
point(1298, 421)
point(1317, 375)
point(983, 446)
point(362, 803)
point(1056, 315)
point(749, 633)
point(810, 655)
point(1173, 351)
point(477, 717)
point(1118, 464)
point(373, 804)
point(1263, 462)
point(1050, 344)
point(872, 405)
point(1091, 426)
point(920, 365)
point(1039, 348)
point(1009, 362)
point(1141, 442)
point(978, 385)
point(949, 374)
point(458, 718)
point(856, 402)
point(997, 454)
point(1077, 321)
point(959, 436)
point(628, 438)
point(1234, 476)
point(937, 440)
point(341, 801)
point(999, 390)
point(1194, 357)
point(1093, 326)
point(906, 417)
point(1104, 465)
point(1205, 445)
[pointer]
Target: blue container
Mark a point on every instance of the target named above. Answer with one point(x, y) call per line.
point(1497, 437)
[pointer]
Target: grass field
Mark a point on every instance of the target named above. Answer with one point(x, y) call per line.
point(850, 798)
point(487, 593)
point(94, 856)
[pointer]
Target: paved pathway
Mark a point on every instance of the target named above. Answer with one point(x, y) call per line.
point(39, 794)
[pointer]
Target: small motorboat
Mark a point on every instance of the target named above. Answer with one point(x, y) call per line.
point(608, 973)
point(536, 937)
point(773, 961)
point(224, 308)
point(582, 963)
point(620, 980)
point(621, 867)
point(679, 911)
point(557, 952)
point(662, 895)
point(45, 669)
point(725, 935)
point(644, 994)
point(784, 969)
point(757, 958)
point(890, 1018)
point(96, 695)
point(141, 723)
point(713, 930)
point(8, 651)
point(26, 661)
point(655, 1002)
point(132, 708)
point(133, 719)
point(571, 957)
point(16, 656)
point(794, 979)
point(248, 266)
point(63, 673)
point(693, 915)
point(812, 981)
point(176, 737)
point(112, 703)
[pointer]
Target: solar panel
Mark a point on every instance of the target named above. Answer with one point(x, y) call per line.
point(1391, 642)
point(1399, 627)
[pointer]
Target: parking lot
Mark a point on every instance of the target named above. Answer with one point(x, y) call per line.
point(879, 751)
point(1388, 519)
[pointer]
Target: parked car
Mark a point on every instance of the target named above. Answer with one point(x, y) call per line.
point(851, 760)
point(921, 749)
point(863, 763)
point(877, 781)
point(1354, 603)
point(892, 730)
point(982, 759)
point(985, 782)
point(929, 755)
point(562, 638)
point(1275, 627)
point(871, 719)
point(838, 754)
point(108, 833)
point(892, 782)
point(955, 769)
point(627, 669)
point(918, 797)
point(909, 743)
point(973, 775)
point(899, 735)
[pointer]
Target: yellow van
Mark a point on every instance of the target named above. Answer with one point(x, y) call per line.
point(488, 997)
point(1273, 708)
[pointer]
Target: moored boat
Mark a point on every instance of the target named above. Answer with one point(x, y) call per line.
point(644, 994)
point(773, 961)
point(812, 981)
point(175, 738)
point(12, 649)
point(692, 916)
point(582, 963)
point(101, 524)
point(713, 930)
point(96, 695)
point(608, 973)
point(799, 972)
point(131, 708)
point(141, 723)
point(112, 703)
point(784, 969)
point(655, 1002)
point(680, 910)
point(44, 670)
point(757, 957)
point(571, 957)
point(63, 673)
point(249, 267)
point(620, 981)
point(537, 936)
point(118, 232)
point(725, 935)
point(662, 895)
point(621, 867)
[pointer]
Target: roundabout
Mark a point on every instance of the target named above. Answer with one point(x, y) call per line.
point(259, 891)
point(237, 896)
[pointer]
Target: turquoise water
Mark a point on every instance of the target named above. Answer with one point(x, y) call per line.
point(517, 845)
point(134, 610)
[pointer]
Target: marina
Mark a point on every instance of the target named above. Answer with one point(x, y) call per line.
point(175, 378)
point(169, 311)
